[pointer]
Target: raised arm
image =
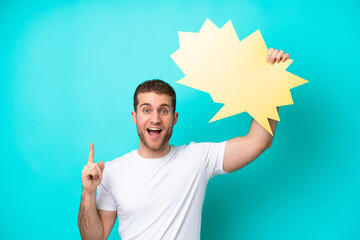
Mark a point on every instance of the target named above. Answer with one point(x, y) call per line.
point(93, 224)
point(241, 151)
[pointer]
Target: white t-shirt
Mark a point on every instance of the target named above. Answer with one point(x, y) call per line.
point(160, 198)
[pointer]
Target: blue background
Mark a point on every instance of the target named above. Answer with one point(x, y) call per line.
point(68, 71)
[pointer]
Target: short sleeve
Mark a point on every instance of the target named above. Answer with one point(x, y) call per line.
point(213, 154)
point(104, 199)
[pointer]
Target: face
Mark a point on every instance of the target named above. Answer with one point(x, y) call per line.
point(154, 119)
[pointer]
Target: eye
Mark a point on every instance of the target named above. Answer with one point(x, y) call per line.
point(164, 111)
point(146, 110)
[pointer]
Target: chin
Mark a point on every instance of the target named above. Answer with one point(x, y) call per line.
point(156, 145)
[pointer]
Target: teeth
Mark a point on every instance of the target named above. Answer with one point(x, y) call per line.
point(154, 129)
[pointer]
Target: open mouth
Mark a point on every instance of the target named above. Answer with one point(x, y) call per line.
point(154, 132)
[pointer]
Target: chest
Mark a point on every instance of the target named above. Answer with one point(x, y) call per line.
point(152, 188)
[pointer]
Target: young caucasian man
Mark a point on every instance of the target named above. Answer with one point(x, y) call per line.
point(157, 191)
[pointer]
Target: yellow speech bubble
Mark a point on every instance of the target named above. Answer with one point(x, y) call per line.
point(235, 72)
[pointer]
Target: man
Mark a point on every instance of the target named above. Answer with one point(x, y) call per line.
point(158, 190)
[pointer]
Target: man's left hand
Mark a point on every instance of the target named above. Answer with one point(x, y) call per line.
point(276, 55)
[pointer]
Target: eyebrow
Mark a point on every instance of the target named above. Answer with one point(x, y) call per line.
point(148, 104)
point(165, 105)
point(145, 104)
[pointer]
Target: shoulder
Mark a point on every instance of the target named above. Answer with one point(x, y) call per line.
point(202, 148)
point(119, 162)
point(206, 146)
point(192, 146)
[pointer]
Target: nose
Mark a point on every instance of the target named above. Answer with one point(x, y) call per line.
point(155, 118)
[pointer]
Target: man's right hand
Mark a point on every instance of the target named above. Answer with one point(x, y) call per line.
point(92, 173)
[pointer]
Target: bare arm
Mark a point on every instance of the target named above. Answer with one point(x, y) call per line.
point(241, 151)
point(93, 224)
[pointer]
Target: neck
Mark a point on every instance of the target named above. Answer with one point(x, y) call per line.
point(145, 152)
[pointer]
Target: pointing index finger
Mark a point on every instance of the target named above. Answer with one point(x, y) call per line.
point(91, 154)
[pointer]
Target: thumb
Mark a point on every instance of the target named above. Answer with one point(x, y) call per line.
point(101, 165)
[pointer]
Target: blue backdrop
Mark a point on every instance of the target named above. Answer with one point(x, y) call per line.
point(68, 71)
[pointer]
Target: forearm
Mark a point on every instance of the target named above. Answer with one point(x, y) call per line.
point(88, 220)
point(260, 134)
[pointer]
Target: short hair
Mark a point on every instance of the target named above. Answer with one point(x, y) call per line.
point(158, 86)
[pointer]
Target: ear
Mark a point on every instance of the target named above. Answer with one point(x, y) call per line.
point(176, 115)
point(133, 114)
